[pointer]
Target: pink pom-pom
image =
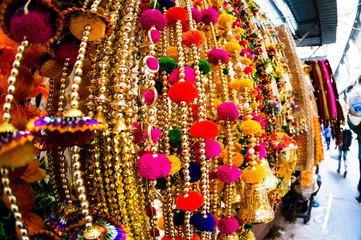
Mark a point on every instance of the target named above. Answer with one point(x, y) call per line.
point(228, 225)
point(196, 15)
point(212, 149)
point(244, 52)
point(34, 25)
point(155, 35)
point(67, 50)
point(138, 134)
point(260, 120)
point(209, 15)
point(261, 150)
point(153, 167)
point(227, 112)
point(152, 63)
point(149, 97)
point(250, 56)
point(190, 76)
point(153, 17)
point(217, 54)
point(156, 134)
point(228, 174)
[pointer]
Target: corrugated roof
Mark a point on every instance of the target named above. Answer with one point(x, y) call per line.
point(317, 19)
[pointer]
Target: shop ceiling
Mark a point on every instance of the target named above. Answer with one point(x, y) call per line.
point(316, 20)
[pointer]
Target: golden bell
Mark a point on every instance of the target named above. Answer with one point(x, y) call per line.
point(284, 187)
point(223, 236)
point(255, 207)
point(247, 235)
point(270, 181)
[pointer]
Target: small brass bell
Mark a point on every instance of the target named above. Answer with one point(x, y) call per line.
point(255, 207)
point(232, 236)
point(270, 181)
point(247, 235)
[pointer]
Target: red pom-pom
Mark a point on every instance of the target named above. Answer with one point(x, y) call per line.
point(176, 13)
point(149, 214)
point(190, 203)
point(169, 238)
point(195, 237)
point(182, 91)
point(195, 112)
point(212, 175)
point(143, 7)
point(193, 37)
point(156, 232)
point(204, 129)
point(216, 219)
point(248, 70)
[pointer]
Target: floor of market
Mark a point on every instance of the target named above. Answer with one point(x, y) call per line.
point(339, 215)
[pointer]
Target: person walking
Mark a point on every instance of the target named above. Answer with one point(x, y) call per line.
point(344, 148)
point(328, 134)
point(357, 130)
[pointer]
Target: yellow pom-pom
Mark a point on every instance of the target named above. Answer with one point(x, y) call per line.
point(172, 52)
point(232, 48)
point(237, 159)
point(253, 174)
point(79, 22)
point(255, 105)
point(176, 164)
point(240, 30)
point(217, 102)
point(221, 145)
point(250, 127)
point(246, 61)
point(160, 224)
point(225, 20)
point(242, 83)
point(237, 147)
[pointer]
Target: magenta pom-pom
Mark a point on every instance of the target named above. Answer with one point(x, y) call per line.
point(152, 63)
point(138, 134)
point(34, 25)
point(216, 55)
point(244, 52)
point(67, 50)
point(227, 112)
point(149, 97)
point(209, 15)
point(228, 174)
point(155, 35)
point(196, 15)
point(190, 76)
point(228, 225)
point(153, 17)
point(156, 134)
point(153, 167)
point(212, 149)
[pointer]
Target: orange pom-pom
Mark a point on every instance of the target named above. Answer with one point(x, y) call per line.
point(176, 13)
point(193, 37)
point(195, 237)
point(190, 203)
point(204, 129)
point(182, 91)
point(253, 174)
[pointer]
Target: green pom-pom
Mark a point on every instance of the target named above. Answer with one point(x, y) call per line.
point(175, 137)
point(204, 66)
point(247, 226)
point(167, 64)
point(161, 183)
point(242, 140)
point(151, 5)
point(225, 71)
point(243, 152)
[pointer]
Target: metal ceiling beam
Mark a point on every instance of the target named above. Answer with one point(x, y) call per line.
point(307, 33)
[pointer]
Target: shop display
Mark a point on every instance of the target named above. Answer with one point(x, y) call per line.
point(148, 119)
